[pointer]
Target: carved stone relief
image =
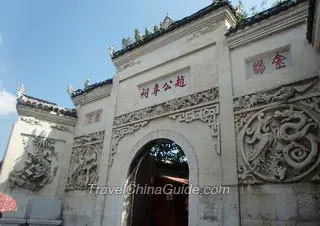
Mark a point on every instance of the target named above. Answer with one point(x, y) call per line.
point(84, 162)
point(133, 121)
point(61, 128)
point(39, 169)
point(279, 143)
point(206, 114)
point(281, 94)
point(119, 133)
point(167, 107)
point(30, 120)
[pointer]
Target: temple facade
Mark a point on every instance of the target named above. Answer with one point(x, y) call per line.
point(241, 99)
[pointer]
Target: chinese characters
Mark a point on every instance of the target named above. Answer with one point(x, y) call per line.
point(163, 87)
point(273, 62)
point(93, 117)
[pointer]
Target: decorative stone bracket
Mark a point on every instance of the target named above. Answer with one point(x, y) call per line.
point(121, 132)
point(206, 114)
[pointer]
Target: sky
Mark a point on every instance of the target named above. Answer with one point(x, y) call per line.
point(48, 44)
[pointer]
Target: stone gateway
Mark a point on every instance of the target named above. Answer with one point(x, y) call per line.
point(237, 102)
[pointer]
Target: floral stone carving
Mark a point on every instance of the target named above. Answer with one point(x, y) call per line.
point(167, 107)
point(38, 170)
point(279, 144)
point(83, 169)
point(281, 94)
point(207, 114)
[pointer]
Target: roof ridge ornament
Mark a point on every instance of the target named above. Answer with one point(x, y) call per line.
point(112, 50)
point(87, 83)
point(167, 21)
point(70, 89)
point(21, 91)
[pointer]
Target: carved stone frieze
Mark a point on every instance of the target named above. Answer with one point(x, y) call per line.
point(119, 133)
point(312, 103)
point(206, 114)
point(279, 144)
point(84, 161)
point(90, 138)
point(30, 120)
point(281, 94)
point(39, 169)
point(61, 128)
point(167, 107)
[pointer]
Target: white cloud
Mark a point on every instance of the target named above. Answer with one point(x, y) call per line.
point(7, 103)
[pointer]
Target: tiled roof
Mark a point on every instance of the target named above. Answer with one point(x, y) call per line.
point(44, 105)
point(91, 87)
point(175, 25)
point(264, 15)
point(312, 7)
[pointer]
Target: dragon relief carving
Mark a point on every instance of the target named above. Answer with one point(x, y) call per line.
point(85, 154)
point(279, 144)
point(119, 133)
point(208, 115)
point(167, 107)
point(38, 169)
point(281, 94)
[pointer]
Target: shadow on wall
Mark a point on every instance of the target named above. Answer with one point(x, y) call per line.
point(32, 181)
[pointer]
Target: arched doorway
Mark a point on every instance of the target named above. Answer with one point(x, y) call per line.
point(156, 186)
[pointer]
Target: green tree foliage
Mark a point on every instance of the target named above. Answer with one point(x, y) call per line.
point(168, 151)
point(242, 14)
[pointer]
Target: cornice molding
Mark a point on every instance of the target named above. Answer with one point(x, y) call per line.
point(93, 95)
point(275, 24)
point(217, 16)
point(46, 116)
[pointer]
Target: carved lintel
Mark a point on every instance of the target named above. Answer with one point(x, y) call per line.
point(84, 161)
point(31, 120)
point(89, 138)
point(167, 107)
point(281, 94)
point(206, 114)
point(38, 170)
point(61, 128)
point(119, 133)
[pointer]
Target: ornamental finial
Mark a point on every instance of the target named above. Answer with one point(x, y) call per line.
point(87, 83)
point(166, 22)
point(21, 91)
point(70, 89)
point(112, 50)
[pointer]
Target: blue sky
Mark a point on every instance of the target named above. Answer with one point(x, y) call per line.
point(47, 44)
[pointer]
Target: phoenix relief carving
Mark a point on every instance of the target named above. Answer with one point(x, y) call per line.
point(279, 144)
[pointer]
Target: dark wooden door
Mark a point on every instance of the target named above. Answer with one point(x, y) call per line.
point(139, 201)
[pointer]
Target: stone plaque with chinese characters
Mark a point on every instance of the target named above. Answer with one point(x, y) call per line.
point(93, 117)
point(268, 63)
point(166, 87)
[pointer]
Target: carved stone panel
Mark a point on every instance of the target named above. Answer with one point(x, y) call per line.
point(84, 161)
point(41, 165)
point(281, 143)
